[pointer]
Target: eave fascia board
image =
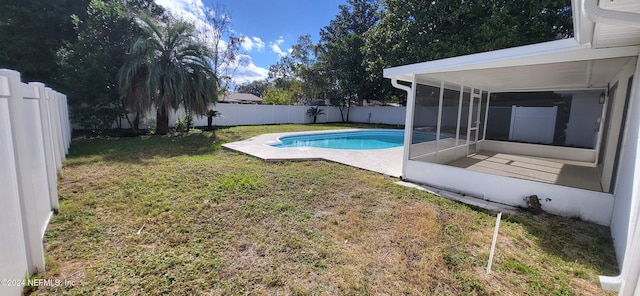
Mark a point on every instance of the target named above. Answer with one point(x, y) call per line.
point(565, 50)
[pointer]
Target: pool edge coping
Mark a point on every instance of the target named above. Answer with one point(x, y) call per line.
point(377, 160)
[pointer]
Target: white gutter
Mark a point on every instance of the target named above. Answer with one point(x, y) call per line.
point(596, 14)
point(628, 273)
point(408, 124)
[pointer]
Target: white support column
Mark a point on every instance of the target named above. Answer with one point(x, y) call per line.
point(459, 114)
point(486, 117)
point(408, 123)
point(439, 122)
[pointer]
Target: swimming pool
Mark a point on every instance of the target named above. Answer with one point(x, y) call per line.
point(353, 140)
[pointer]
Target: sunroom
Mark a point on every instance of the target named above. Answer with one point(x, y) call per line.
point(544, 119)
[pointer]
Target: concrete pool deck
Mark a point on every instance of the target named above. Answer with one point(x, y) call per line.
point(386, 161)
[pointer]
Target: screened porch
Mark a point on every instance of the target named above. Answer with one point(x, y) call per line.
point(549, 137)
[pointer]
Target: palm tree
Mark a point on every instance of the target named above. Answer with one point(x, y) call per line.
point(210, 115)
point(167, 67)
point(314, 112)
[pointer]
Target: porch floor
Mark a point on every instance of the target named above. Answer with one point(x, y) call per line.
point(554, 171)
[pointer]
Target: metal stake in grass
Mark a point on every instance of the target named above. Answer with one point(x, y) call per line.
point(493, 243)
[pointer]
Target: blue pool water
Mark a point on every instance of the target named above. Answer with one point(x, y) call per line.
point(354, 140)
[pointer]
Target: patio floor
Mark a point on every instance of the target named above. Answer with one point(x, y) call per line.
point(553, 171)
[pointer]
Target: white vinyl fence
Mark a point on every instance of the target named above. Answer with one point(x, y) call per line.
point(35, 134)
point(253, 114)
point(245, 114)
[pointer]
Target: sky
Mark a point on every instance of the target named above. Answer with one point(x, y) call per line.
point(269, 28)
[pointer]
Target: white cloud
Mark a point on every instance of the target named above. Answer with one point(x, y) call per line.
point(247, 71)
point(275, 47)
point(194, 11)
point(249, 44)
point(277, 50)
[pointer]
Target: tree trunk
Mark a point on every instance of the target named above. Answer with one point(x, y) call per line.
point(314, 118)
point(209, 122)
point(162, 121)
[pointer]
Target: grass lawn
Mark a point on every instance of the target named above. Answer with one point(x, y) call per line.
point(180, 215)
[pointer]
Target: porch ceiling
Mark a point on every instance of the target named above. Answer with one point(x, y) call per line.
point(556, 76)
point(555, 65)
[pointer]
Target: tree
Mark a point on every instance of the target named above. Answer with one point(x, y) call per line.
point(167, 67)
point(256, 87)
point(299, 73)
point(32, 31)
point(225, 45)
point(278, 97)
point(412, 31)
point(89, 66)
point(342, 56)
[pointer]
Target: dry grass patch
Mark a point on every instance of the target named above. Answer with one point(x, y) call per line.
point(179, 215)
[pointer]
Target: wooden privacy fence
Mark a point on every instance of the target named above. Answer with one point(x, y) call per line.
point(35, 134)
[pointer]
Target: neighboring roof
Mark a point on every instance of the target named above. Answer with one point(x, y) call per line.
point(235, 97)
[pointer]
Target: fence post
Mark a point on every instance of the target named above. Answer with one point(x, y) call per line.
point(67, 123)
point(47, 138)
point(13, 254)
point(57, 129)
point(30, 166)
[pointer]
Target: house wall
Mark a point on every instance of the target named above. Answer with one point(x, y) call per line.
point(548, 151)
point(498, 122)
point(582, 126)
point(445, 156)
point(592, 206)
point(615, 124)
point(627, 187)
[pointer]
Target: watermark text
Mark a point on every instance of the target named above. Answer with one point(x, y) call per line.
point(37, 283)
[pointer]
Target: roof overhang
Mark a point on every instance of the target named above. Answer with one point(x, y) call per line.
point(555, 65)
point(606, 23)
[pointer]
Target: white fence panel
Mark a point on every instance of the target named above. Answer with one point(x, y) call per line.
point(243, 114)
point(35, 134)
point(378, 114)
point(13, 254)
point(253, 114)
point(533, 124)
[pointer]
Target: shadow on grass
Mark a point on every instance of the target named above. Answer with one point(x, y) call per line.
point(198, 142)
point(138, 149)
point(570, 239)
